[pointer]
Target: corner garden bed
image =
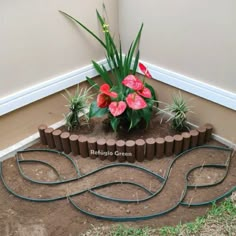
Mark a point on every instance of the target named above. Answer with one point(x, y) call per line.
point(57, 190)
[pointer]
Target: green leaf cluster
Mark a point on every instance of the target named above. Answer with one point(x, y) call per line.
point(177, 110)
point(119, 66)
point(77, 104)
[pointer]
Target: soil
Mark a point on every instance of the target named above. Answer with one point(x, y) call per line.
point(100, 128)
point(59, 218)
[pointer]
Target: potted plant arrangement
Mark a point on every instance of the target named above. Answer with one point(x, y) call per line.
point(126, 100)
point(123, 97)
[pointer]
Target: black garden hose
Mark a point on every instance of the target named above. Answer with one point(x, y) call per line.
point(92, 190)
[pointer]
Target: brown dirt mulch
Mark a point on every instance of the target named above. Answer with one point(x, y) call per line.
point(59, 218)
point(100, 128)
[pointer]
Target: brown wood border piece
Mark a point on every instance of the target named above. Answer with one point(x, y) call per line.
point(130, 150)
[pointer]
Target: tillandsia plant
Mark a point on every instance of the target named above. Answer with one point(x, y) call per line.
point(125, 98)
point(77, 103)
point(178, 113)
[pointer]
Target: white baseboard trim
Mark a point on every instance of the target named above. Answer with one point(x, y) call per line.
point(25, 143)
point(224, 141)
point(218, 138)
point(44, 89)
point(196, 87)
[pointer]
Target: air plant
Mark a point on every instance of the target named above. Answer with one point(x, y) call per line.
point(77, 104)
point(178, 113)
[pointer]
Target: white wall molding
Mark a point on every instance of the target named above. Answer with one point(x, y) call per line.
point(44, 89)
point(193, 86)
point(218, 138)
point(226, 142)
point(25, 143)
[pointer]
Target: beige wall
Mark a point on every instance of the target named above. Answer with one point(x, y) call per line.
point(193, 38)
point(38, 43)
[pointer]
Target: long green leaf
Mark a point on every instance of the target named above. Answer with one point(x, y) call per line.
point(122, 74)
point(92, 83)
point(102, 72)
point(102, 22)
point(146, 113)
point(152, 91)
point(114, 123)
point(112, 51)
point(126, 69)
point(97, 111)
point(111, 56)
point(108, 79)
point(111, 41)
point(129, 51)
point(84, 27)
point(134, 69)
point(111, 66)
point(114, 70)
point(110, 45)
point(134, 46)
point(134, 118)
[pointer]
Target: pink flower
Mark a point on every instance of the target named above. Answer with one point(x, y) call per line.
point(132, 82)
point(117, 108)
point(105, 88)
point(103, 100)
point(144, 69)
point(135, 102)
point(145, 92)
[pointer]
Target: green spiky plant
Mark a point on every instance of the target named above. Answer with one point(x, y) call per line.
point(178, 113)
point(77, 104)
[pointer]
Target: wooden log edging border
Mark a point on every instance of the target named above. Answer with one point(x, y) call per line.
point(121, 150)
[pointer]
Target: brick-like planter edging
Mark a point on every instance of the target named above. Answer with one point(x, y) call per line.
point(124, 150)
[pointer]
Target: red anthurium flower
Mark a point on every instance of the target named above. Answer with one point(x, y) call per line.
point(103, 100)
point(144, 69)
point(105, 88)
point(132, 82)
point(145, 92)
point(135, 102)
point(117, 108)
